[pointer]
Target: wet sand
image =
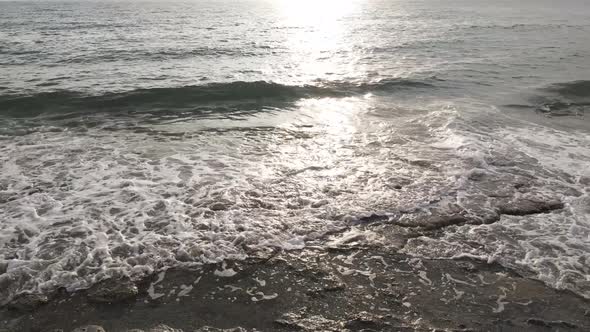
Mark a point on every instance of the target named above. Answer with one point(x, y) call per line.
point(350, 288)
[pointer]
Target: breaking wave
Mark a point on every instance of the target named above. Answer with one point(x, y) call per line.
point(188, 97)
point(560, 99)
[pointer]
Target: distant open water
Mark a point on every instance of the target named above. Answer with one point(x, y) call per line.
point(139, 135)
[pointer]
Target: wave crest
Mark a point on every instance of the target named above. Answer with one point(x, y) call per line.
point(188, 97)
point(574, 89)
point(560, 99)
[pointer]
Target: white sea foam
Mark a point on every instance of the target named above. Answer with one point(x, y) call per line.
point(551, 247)
point(81, 206)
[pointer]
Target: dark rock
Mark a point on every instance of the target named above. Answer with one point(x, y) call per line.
point(163, 328)
point(364, 320)
point(373, 218)
point(335, 287)
point(330, 282)
point(312, 323)
point(122, 250)
point(383, 291)
point(258, 203)
point(419, 163)
point(467, 266)
point(89, 328)
point(27, 301)
point(289, 323)
point(527, 206)
point(477, 175)
point(220, 206)
point(555, 323)
point(319, 203)
point(78, 232)
point(4, 198)
point(438, 222)
point(183, 256)
point(213, 329)
point(113, 290)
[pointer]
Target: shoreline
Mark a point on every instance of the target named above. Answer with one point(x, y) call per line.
point(357, 288)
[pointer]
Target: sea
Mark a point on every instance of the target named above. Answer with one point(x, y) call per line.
point(136, 136)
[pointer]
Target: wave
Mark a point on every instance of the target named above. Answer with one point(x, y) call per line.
point(189, 97)
point(565, 99)
point(574, 89)
point(522, 25)
point(560, 99)
point(164, 54)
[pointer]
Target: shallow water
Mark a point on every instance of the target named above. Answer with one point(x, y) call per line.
point(140, 135)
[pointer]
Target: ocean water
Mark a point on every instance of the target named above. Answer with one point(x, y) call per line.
point(139, 135)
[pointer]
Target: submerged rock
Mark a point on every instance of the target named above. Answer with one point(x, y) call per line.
point(364, 320)
point(28, 301)
point(308, 323)
point(213, 329)
point(441, 221)
point(89, 328)
point(220, 206)
point(554, 324)
point(163, 328)
point(113, 290)
point(382, 291)
point(524, 207)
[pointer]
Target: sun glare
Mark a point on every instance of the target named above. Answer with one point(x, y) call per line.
point(315, 11)
point(316, 35)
